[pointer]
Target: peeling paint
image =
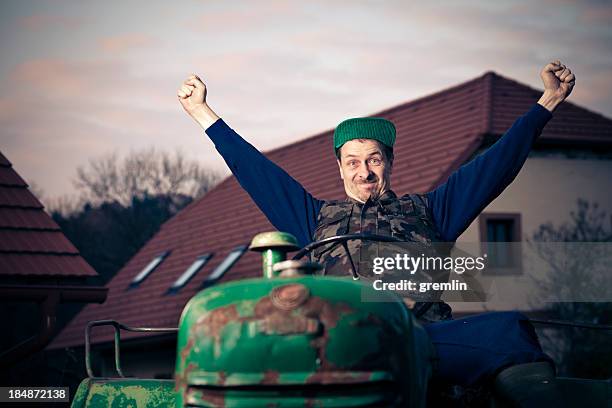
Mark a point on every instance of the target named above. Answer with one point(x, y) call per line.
point(270, 377)
point(267, 334)
point(126, 393)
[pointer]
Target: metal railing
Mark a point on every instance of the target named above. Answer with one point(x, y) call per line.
point(117, 327)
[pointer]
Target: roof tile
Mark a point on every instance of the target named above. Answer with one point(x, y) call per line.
point(8, 177)
point(41, 241)
point(26, 218)
point(4, 161)
point(18, 197)
point(22, 264)
point(31, 243)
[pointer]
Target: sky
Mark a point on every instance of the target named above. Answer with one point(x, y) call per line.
point(82, 79)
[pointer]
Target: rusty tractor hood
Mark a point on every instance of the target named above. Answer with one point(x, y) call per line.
point(306, 339)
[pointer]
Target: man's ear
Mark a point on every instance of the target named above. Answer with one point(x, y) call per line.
point(340, 168)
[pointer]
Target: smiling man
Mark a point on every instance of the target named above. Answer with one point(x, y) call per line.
point(500, 347)
point(364, 149)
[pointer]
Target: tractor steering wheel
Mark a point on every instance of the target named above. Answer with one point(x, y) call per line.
point(342, 239)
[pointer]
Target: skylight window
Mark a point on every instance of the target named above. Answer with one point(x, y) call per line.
point(148, 269)
point(225, 265)
point(190, 272)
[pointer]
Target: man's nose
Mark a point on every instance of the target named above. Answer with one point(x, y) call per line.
point(364, 171)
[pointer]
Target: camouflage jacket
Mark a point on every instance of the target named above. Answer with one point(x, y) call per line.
point(407, 218)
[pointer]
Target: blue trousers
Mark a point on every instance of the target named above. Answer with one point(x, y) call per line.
point(477, 347)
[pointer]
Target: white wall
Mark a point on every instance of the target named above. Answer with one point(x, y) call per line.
point(545, 190)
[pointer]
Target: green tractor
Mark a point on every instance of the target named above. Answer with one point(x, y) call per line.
point(291, 339)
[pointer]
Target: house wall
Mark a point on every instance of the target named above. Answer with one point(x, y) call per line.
point(546, 190)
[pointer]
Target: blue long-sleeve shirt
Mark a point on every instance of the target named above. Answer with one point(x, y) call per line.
point(454, 204)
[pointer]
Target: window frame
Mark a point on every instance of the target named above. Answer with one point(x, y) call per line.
point(237, 252)
point(516, 231)
point(193, 271)
point(148, 269)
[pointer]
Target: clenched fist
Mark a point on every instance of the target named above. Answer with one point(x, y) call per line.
point(192, 96)
point(192, 93)
point(558, 78)
point(558, 84)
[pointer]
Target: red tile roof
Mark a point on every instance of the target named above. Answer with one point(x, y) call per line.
point(436, 134)
point(31, 243)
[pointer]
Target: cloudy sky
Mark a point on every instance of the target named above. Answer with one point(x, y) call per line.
point(79, 79)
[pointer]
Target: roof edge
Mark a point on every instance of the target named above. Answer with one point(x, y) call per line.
point(462, 158)
point(390, 109)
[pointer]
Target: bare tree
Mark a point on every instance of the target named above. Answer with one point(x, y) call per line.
point(141, 174)
point(122, 202)
point(65, 205)
point(580, 271)
point(587, 224)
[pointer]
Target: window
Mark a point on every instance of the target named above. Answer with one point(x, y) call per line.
point(190, 272)
point(499, 232)
point(225, 265)
point(148, 269)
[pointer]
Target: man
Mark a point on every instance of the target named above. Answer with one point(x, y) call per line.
point(471, 351)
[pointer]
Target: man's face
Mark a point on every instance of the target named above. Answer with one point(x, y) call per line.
point(365, 170)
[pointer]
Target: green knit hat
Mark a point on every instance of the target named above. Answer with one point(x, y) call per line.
point(365, 128)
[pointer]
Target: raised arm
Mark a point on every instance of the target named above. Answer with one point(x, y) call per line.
point(472, 187)
point(283, 200)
